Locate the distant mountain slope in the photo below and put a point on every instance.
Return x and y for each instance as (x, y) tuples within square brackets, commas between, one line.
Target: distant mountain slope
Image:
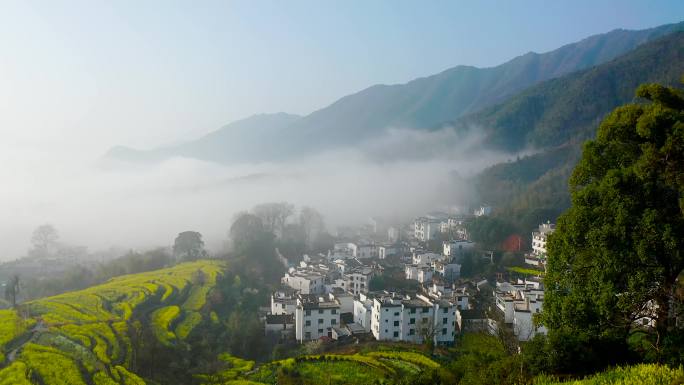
[(242, 140), (422, 104), (428, 101), (557, 116), (570, 107)]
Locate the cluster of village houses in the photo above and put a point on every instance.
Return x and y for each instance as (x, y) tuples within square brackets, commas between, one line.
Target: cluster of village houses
[(328, 296)]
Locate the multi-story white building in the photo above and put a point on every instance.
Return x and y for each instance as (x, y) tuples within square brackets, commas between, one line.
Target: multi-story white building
[(456, 248), (344, 298), (540, 237), (420, 273), (283, 302), (483, 211), (344, 250), (304, 282), (357, 280), (385, 251), (367, 250), (519, 302), (314, 316), (449, 270), (362, 311), (386, 319), (281, 325), (425, 228), (425, 259), (411, 319)]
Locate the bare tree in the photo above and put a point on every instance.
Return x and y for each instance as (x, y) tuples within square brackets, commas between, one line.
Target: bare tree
[(245, 229), (427, 331), (12, 290), (312, 224), (274, 215), (44, 240)]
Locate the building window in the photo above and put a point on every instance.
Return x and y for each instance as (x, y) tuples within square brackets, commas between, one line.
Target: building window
[(320, 331), (445, 311), (444, 321), (412, 321), (425, 310), (444, 331), (308, 312), (307, 335), (333, 311), (396, 323), (396, 314), (308, 323), (412, 332), (320, 311), (320, 321), (396, 334), (413, 310), (333, 322)]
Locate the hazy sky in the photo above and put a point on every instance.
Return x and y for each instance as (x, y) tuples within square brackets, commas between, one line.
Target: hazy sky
[(77, 77), (143, 73)]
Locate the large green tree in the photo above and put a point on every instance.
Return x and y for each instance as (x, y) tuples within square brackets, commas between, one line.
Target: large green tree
[(189, 246), (617, 252)]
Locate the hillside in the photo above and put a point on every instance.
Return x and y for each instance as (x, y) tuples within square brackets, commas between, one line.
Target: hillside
[(94, 336), (558, 115), (419, 104), (237, 141)]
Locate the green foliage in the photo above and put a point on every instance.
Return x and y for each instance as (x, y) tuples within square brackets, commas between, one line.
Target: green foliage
[(14, 374), (12, 326), (386, 366), (557, 116), (189, 246), (51, 365), (617, 252), (490, 231), (86, 336), (643, 374), (482, 359), (185, 326), (525, 271), (161, 323)]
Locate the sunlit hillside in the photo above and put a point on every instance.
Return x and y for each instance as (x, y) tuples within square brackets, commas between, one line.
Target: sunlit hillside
[(85, 337)]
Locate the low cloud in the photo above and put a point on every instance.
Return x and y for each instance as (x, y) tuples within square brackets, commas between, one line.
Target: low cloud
[(402, 174)]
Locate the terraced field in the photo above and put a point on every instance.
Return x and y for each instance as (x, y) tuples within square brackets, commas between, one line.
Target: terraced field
[(82, 337), (361, 368)]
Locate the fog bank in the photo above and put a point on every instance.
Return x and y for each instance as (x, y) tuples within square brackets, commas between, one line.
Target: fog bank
[(103, 204)]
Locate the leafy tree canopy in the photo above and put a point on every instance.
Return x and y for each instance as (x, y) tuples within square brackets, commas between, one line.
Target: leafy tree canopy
[(617, 252)]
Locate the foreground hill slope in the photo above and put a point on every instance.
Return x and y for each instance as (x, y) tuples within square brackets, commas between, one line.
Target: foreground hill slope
[(89, 336)]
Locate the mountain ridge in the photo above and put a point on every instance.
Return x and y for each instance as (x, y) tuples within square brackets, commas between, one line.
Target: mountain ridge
[(423, 103)]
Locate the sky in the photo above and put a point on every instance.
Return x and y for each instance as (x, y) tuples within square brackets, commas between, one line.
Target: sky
[(80, 76)]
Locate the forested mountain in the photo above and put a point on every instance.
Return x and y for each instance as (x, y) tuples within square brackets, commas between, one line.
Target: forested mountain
[(557, 116), (420, 104)]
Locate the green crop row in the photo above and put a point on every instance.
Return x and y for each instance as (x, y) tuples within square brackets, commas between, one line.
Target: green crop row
[(161, 323)]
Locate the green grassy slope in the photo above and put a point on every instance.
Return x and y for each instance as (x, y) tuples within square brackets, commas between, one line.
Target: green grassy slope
[(84, 337)]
